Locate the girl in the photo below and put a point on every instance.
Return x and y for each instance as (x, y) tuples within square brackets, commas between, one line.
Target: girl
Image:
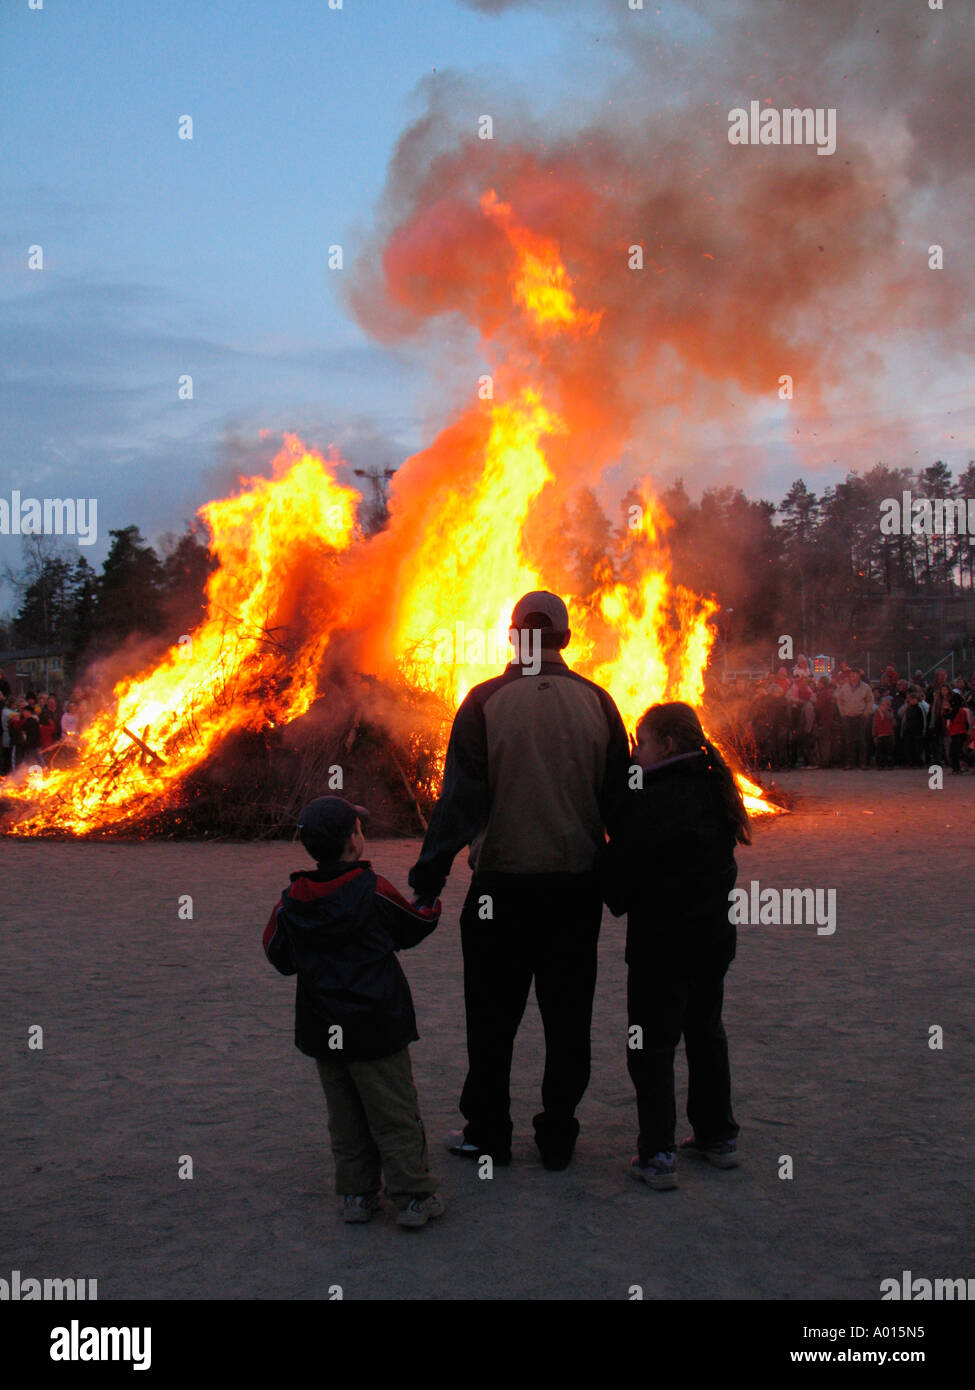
[(678, 867), (957, 728)]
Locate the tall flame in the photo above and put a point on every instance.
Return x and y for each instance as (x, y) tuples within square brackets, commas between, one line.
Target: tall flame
[(434, 591)]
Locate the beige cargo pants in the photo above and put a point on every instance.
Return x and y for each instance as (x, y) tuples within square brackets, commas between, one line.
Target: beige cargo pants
[(375, 1127)]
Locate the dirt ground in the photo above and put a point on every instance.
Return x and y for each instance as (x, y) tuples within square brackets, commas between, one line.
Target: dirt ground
[(165, 1037)]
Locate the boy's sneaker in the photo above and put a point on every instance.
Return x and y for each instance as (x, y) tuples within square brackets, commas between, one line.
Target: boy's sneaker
[(359, 1208), (456, 1143), (420, 1210), (659, 1172), (723, 1155)]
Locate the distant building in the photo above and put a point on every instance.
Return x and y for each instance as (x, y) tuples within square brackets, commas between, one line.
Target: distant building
[(34, 668)]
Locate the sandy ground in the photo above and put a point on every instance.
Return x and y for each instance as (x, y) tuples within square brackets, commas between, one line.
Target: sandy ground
[(165, 1037)]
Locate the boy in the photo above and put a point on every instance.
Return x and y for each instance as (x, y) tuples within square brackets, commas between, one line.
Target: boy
[(338, 927)]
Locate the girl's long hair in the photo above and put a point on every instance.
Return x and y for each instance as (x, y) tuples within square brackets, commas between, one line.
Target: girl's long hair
[(680, 722)]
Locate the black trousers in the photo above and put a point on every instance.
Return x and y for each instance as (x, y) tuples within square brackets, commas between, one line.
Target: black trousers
[(543, 927), (666, 1000), (854, 740)]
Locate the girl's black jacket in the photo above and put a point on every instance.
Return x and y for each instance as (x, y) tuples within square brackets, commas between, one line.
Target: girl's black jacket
[(338, 928), (673, 865)]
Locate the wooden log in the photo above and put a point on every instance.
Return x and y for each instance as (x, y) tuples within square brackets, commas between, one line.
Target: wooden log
[(143, 745), (409, 790)]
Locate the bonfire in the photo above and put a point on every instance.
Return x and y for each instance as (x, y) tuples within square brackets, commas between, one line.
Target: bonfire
[(299, 593)]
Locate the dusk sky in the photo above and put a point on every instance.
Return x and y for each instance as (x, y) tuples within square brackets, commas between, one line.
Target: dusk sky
[(164, 256)]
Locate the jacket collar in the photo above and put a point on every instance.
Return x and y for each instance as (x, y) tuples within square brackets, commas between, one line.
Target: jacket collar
[(307, 884), (678, 762)]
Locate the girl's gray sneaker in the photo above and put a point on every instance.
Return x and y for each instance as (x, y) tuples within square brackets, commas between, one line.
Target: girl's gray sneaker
[(420, 1210)]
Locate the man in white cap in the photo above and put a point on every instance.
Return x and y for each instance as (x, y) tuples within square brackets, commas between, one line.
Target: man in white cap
[(535, 774)]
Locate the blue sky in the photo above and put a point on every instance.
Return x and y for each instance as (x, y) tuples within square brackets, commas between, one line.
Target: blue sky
[(165, 256)]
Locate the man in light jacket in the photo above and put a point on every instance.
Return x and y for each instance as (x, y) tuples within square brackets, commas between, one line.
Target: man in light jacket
[(854, 699), (535, 775)]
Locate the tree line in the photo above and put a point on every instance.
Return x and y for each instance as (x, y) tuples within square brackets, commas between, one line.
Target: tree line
[(66, 606), (811, 564)]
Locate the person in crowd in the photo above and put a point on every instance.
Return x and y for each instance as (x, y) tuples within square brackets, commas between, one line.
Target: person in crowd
[(898, 700), (781, 721), (760, 719), (50, 725), (69, 724), (739, 721), (803, 719), (883, 733), (888, 681), (26, 730), (771, 721), (676, 859), (535, 777), (938, 700), (338, 928), (854, 701), (913, 721), (958, 729), (825, 718), (7, 713)]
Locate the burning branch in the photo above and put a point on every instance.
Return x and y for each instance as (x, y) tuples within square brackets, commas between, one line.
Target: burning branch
[(143, 745)]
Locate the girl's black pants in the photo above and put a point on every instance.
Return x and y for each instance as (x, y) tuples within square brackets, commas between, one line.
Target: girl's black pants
[(667, 1000)]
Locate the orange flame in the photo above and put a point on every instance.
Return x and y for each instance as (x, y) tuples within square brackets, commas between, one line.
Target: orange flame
[(232, 672), (540, 284), (285, 546)]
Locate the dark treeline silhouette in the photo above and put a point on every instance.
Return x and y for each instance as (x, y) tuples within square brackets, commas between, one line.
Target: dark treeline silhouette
[(66, 606), (818, 566)]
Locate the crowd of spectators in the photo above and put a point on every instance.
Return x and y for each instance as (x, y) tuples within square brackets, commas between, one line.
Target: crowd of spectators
[(793, 718), (38, 729)]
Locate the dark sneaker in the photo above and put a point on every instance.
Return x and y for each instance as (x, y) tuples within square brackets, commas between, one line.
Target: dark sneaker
[(723, 1155), (360, 1207), (456, 1143), (556, 1145), (659, 1172), (420, 1210)]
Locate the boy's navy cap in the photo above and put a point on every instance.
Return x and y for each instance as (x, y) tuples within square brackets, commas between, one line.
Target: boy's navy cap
[(541, 601), (329, 818)]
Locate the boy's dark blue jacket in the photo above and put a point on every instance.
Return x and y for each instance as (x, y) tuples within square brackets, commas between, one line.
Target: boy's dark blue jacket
[(338, 927), (673, 867)]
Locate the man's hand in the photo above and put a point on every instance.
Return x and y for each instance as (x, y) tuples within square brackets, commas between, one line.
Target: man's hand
[(424, 902)]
